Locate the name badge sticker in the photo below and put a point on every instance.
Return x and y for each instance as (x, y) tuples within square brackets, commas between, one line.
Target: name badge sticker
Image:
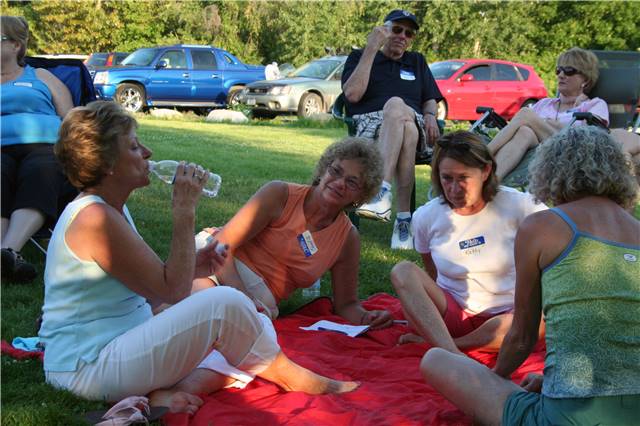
[(307, 244), (407, 75), (23, 83), (471, 242)]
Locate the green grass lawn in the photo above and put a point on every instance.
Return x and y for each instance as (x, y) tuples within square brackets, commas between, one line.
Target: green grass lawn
[(246, 156)]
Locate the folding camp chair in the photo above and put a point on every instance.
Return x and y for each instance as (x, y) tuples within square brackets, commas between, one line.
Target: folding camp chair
[(618, 85), (422, 157), (76, 77)]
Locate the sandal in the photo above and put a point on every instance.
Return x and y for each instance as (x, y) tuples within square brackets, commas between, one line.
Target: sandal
[(16, 268), (131, 410)]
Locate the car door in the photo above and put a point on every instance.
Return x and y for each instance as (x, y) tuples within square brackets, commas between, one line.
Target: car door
[(206, 78), (473, 89), (171, 82), (333, 87), (508, 89)]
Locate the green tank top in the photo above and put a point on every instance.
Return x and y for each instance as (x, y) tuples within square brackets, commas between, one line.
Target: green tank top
[(591, 305)]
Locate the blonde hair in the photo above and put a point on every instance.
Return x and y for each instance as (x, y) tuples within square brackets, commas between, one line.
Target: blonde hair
[(17, 29), (584, 61), (88, 143), (582, 161)]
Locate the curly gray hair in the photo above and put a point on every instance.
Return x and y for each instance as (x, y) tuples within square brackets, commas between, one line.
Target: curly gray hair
[(582, 161), (362, 150)]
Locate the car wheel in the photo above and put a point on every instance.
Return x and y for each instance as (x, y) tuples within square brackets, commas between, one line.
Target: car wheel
[(528, 103), (233, 98), (442, 110), (310, 104), (130, 96)]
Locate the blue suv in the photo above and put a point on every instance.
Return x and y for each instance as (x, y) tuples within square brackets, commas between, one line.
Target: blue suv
[(181, 75)]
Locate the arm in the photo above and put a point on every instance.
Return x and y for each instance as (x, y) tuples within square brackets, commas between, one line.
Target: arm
[(59, 92), (429, 266), (100, 233), (523, 335), (356, 85), (344, 280), (429, 110)]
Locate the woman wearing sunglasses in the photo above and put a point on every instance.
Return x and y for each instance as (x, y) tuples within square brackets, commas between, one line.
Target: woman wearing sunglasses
[(463, 298), (577, 73), (288, 235)]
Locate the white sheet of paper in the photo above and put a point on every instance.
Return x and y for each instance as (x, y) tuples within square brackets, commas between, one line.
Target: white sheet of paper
[(349, 330)]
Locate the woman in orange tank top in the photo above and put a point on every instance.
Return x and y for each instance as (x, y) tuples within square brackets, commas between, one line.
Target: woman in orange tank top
[(288, 235)]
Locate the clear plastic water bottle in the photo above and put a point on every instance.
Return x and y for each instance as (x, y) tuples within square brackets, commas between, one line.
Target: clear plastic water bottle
[(313, 291), (166, 170)]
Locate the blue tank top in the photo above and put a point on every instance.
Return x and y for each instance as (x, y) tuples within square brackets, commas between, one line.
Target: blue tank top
[(28, 113), (84, 307)]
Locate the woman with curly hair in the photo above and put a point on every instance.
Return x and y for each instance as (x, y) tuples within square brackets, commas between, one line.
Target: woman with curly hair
[(288, 235), (578, 264)]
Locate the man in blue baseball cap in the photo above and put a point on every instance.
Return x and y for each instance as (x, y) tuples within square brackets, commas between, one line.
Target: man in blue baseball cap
[(393, 98)]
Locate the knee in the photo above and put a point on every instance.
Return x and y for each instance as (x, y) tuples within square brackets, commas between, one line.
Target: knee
[(432, 362), (524, 115), (395, 109), (400, 275)]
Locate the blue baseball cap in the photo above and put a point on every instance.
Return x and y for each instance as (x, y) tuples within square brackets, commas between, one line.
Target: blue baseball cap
[(399, 15)]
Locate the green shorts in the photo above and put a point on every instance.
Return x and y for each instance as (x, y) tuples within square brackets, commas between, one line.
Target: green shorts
[(528, 408)]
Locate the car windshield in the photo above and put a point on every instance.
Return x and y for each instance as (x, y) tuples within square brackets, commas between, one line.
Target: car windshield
[(97, 59), (444, 70), (141, 57), (316, 69)]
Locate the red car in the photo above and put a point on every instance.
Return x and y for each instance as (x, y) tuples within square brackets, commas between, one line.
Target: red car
[(469, 83)]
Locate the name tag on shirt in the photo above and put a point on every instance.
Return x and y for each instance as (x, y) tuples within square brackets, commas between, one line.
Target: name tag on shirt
[(472, 242), (407, 75), (23, 83), (307, 244)]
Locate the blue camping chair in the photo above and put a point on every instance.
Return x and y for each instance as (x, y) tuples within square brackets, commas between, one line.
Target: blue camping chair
[(76, 77)]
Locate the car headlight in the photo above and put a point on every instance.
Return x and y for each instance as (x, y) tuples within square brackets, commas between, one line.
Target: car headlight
[(280, 90), (101, 77)]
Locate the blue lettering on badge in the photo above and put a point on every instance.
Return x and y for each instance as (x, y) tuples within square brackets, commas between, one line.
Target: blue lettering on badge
[(407, 75), (307, 244), (472, 242)]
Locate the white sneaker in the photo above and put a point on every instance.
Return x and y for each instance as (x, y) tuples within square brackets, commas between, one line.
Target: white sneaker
[(379, 208), (402, 238)]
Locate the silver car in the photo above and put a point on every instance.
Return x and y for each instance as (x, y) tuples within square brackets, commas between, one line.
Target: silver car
[(310, 89)]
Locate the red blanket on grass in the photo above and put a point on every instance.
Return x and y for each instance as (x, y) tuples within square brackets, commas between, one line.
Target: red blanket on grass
[(392, 392)]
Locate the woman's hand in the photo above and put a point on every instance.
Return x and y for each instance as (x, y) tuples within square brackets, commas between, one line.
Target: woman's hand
[(187, 186), (209, 259), (532, 383), (377, 319), (580, 99)]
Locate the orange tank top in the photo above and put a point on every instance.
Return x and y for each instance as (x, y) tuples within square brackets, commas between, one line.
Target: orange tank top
[(281, 255)]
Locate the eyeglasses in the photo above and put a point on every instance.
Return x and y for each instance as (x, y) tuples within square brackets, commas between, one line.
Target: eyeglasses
[(568, 71), (350, 182), (407, 33)]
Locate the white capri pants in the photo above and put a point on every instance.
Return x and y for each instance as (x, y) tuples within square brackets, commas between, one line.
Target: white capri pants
[(162, 351)]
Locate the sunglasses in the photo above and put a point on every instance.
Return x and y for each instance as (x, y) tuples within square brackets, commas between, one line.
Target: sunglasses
[(5, 38), (461, 146), (407, 33), (568, 71), (349, 181)]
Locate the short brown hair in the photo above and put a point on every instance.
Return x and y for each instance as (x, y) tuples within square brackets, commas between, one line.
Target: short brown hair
[(361, 150), (88, 143), (468, 149), (17, 29), (584, 61)]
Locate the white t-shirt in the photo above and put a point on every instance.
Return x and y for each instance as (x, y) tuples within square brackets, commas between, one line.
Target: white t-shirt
[(474, 254)]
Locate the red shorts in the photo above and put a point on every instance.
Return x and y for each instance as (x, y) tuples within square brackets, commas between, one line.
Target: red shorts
[(458, 321)]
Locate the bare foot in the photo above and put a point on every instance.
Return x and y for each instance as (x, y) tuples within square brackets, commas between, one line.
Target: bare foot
[(293, 377), (410, 338), (177, 401)]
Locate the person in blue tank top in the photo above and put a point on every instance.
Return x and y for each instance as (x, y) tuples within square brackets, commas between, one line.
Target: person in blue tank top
[(102, 340), (577, 264), (33, 103)]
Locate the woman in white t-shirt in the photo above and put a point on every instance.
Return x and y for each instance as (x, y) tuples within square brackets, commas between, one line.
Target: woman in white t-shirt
[(463, 298)]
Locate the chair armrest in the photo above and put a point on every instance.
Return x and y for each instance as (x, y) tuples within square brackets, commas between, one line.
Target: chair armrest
[(590, 119)]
